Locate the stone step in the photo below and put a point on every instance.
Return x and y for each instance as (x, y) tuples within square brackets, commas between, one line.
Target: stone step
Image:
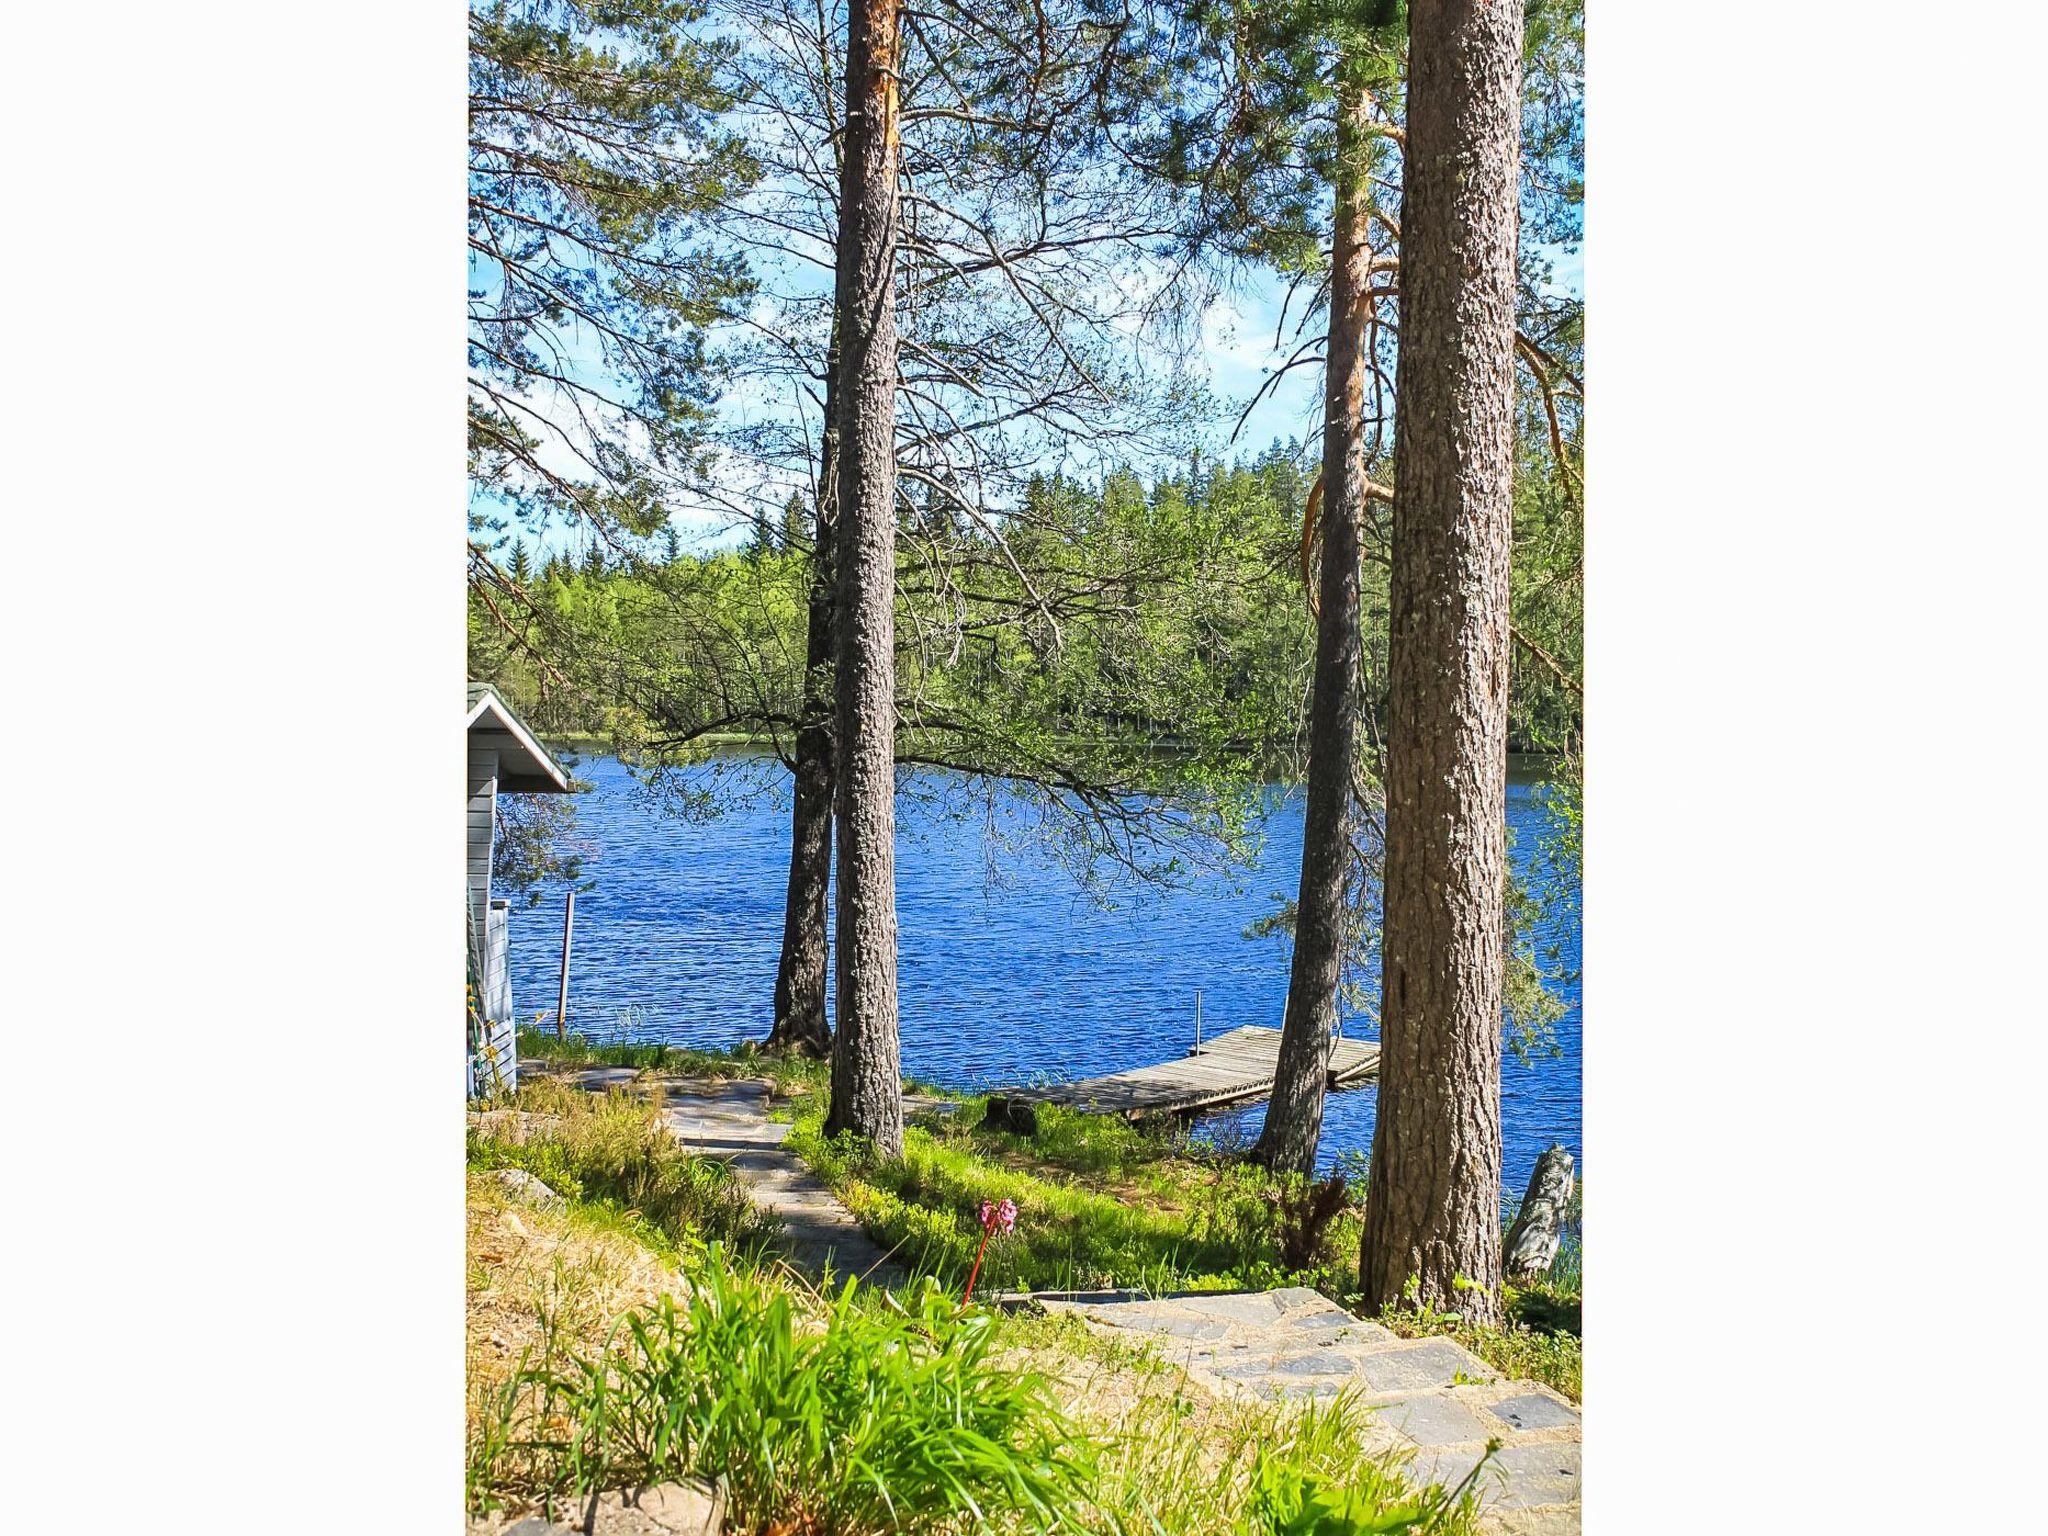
[(1431, 1400)]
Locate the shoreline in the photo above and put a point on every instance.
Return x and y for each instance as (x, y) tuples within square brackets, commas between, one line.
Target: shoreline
[(590, 744)]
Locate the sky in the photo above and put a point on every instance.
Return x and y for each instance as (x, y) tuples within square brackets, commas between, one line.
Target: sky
[(1237, 353), (1237, 337)]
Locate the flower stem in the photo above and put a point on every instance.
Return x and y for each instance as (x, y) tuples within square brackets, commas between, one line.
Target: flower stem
[(977, 1267)]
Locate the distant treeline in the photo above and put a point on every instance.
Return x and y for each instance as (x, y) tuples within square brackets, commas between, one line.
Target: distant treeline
[(1171, 615)]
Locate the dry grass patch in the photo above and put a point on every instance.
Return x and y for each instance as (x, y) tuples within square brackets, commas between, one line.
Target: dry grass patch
[(526, 1263)]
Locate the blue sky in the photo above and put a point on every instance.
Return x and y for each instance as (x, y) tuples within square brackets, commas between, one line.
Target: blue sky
[(1236, 350)]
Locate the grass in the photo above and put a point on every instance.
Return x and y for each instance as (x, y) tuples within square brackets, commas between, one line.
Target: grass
[(790, 1074), (1521, 1347), (616, 1338), (611, 1153), (1099, 1202), (1178, 1461), (1102, 1203), (859, 1420)]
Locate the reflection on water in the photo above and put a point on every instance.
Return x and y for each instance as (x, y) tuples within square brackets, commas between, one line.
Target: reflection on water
[(1007, 971)]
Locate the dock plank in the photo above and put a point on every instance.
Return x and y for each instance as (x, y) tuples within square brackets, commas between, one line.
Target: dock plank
[(1234, 1067)]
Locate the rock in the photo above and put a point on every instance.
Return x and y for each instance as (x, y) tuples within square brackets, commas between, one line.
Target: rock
[(521, 1185), (687, 1508), (1007, 1114), (669, 1509), (1535, 1410)]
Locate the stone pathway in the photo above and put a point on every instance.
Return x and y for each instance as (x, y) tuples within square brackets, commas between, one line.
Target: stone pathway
[(728, 1119), (1431, 1397)]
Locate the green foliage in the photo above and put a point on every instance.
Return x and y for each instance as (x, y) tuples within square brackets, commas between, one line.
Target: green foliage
[(595, 156), (1126, 664), (868, 1412), (534, 842), (613, 1150), (789, 1074), (1104, 1204), (1290, 1500), (1099, 1204), (877, 1420), (1132, 684), (1539, 1340), (1182, 1463)]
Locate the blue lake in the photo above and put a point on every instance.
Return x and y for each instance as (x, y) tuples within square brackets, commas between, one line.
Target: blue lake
[(1009, 971)]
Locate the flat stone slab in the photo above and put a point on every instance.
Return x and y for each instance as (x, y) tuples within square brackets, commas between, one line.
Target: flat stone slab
[(1430, 1363), (1432, 1399), (1237, 1306), (729, 1121), (1431, 1419), (1316, 1362), (1535, 1410), (1517, 1476)]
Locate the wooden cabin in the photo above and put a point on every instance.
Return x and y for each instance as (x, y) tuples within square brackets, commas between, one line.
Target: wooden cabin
[(504, 757)]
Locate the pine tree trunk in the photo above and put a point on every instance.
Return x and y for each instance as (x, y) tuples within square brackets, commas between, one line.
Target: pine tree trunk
[(1433, 1200), (800, 1022), (1294, 1118), (867, 1098)]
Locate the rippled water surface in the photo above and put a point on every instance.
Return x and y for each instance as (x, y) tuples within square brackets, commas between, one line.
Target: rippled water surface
[(1008, 969)]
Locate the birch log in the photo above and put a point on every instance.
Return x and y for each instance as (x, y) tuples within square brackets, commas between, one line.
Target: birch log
[(1533, 1239)]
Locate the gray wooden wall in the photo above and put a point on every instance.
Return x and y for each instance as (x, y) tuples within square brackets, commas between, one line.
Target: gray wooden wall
[(483, 799), (487, 920)]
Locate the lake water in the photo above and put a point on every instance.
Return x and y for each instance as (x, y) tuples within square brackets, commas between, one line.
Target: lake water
[(1009, 971)]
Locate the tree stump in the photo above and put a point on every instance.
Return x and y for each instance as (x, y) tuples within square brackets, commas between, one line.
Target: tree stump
[(1018, 1116), (1532, 1241)]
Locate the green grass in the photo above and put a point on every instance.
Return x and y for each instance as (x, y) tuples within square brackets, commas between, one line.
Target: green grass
[(790, 1074), (1525, 1346), (610, 1151), (860, 1421), (1178, 1461), (1100, 1203), (867, 1412), (919, 1416)]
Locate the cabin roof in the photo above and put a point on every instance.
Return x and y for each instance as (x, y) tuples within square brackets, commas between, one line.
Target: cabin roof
[(525, 767)]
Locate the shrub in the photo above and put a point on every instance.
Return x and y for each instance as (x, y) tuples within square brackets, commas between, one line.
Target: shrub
[(612, 1148), (878, 1420), (1307, 1209)]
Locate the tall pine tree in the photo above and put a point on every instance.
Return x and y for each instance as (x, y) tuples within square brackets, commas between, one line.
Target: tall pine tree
[(1432, 1224)]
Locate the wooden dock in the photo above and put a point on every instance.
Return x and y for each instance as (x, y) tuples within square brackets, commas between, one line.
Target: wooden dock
[(1233, 1068)]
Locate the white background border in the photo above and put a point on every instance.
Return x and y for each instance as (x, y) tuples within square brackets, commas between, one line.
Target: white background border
[(1813, 917)]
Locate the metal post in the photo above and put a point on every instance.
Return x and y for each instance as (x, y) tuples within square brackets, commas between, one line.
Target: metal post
[(1198, 1018), (562, 997)]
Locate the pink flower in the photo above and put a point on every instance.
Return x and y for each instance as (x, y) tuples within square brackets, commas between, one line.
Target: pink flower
[(994, 1218)]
